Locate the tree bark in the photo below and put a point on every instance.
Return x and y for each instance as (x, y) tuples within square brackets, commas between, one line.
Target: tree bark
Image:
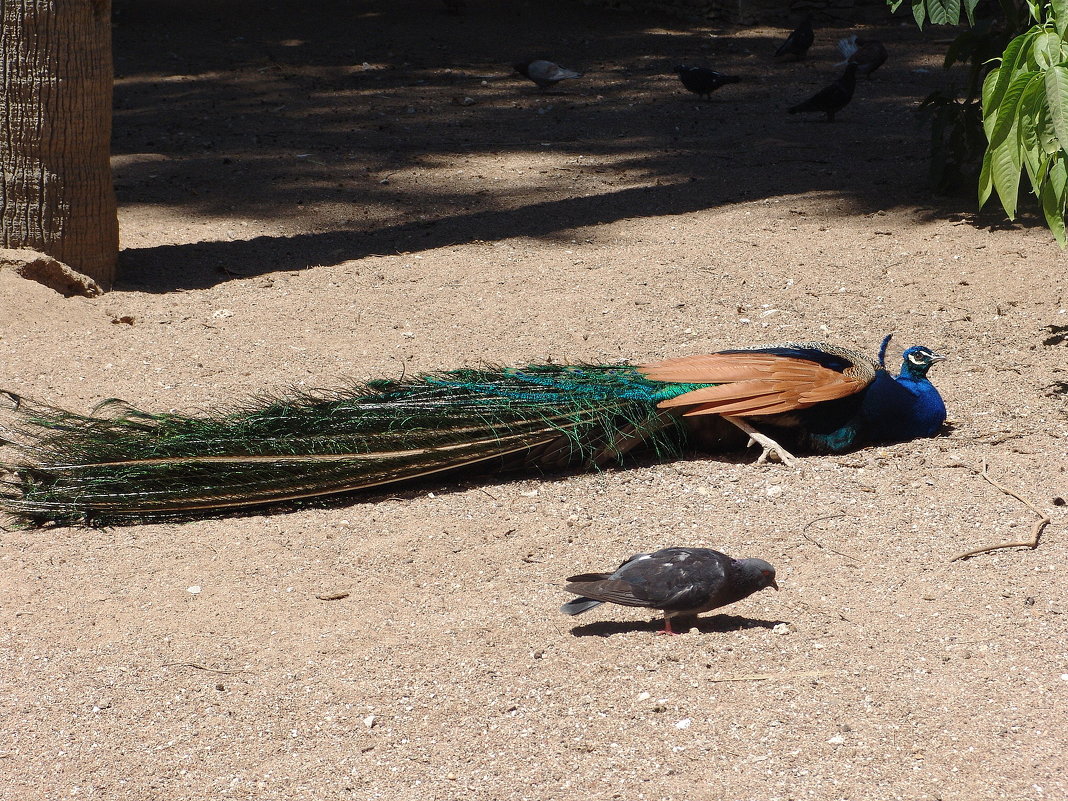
[(56, 78)]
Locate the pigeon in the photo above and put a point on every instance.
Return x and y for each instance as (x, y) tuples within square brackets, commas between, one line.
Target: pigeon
[(831, 99), (797, 43), (703, 81), (545, 74), (867, 54), (680, 581)]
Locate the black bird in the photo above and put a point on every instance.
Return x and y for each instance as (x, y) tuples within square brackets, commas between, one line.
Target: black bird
[(831, 99), (545, 74), (867, 54), (680, 581), (797, 43), (703, 81)]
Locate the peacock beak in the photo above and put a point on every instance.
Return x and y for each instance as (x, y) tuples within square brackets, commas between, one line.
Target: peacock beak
[(936, 357)]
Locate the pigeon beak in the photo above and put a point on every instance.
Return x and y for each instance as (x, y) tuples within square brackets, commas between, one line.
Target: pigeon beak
[(773, 585)]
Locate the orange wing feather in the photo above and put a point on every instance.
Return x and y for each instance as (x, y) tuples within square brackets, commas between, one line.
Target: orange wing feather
[(750, 384)]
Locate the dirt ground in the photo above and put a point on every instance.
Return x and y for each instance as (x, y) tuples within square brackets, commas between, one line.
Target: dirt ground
[(315, 192)]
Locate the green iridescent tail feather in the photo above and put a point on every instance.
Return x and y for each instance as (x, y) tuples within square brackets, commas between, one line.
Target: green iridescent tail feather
[(120, 464)]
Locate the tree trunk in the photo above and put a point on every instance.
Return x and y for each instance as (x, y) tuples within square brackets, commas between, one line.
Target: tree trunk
[(56, 80)]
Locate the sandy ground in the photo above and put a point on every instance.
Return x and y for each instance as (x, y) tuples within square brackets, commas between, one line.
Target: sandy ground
[(356, 189)]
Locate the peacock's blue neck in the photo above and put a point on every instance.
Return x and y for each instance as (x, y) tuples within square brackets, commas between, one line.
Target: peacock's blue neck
[(927, 412)]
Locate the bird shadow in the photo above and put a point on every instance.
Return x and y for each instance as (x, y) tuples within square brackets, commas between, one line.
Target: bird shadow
[(717, 624)]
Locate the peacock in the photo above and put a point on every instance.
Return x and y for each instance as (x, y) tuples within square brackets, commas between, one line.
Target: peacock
[(122, 465)]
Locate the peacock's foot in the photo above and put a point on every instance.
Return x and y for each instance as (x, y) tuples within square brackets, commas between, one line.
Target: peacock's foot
[(770, 449)]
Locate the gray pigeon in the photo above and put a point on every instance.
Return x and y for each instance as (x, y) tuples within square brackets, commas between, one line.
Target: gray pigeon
[(867, 54), (545, 74), (831, 99), (798, 42), (680, 581)]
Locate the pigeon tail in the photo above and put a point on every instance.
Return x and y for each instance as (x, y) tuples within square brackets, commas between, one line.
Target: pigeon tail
[(847, 47), (576, 606)]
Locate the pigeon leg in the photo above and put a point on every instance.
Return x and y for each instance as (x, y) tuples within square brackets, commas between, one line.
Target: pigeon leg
[(767, 444), (667, 628)]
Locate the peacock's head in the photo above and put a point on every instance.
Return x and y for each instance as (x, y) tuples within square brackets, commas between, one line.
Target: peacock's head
[(917, 360)]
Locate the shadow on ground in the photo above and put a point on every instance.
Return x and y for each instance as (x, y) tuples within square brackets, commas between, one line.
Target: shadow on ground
[(357, 129), (718, 624)]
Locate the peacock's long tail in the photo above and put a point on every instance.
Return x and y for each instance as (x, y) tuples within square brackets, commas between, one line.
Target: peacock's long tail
[(120, 464)]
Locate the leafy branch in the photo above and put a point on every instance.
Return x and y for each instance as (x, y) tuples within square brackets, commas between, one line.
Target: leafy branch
[(1023, 100)]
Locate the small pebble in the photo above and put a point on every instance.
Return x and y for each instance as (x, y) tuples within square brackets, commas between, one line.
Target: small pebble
[(781, 628), (838, 739), (194, 590), (369, 721), (683, 724)]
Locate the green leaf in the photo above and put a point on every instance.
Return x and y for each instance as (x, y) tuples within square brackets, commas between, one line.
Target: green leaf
[(1059, 10), (969, 9), (943, 12), (1005, 172), (1057, 102), (986, 183), (1058, 177), (1031, 111), (919, 12), (894, 5), (1047, 50), (1014, 52), (1008, 110), (1053, 206), (989, 117)]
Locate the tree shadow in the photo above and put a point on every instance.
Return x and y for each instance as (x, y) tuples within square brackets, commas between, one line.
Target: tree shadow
[(717, 624), (342, 130)]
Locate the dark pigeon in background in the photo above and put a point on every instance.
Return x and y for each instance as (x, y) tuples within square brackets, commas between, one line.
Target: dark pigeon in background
[(680, 581), (867, 54), (545, 74), (703, 81), (797, 43), (831, 99)]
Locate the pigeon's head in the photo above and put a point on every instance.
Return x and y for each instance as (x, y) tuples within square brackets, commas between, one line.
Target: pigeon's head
[(917, 360), (758, 574), (521, 67)]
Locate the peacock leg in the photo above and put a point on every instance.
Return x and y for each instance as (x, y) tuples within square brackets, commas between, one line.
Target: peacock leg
[(767, 444)]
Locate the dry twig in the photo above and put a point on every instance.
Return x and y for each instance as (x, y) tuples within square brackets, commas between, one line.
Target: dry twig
[(766, 676), (819, 544), (198, 666), (1036, 531)]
